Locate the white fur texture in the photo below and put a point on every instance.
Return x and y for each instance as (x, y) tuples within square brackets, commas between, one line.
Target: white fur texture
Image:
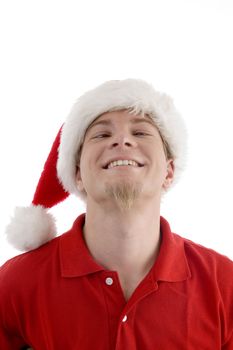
[(30, 228), (135, 95)]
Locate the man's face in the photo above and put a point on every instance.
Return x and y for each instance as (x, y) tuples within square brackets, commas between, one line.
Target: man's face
[(121, 136)]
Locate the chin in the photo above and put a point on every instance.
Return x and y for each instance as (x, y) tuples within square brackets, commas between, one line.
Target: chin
[(124, 189)]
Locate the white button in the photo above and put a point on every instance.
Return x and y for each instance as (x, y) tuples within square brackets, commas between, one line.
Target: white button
[(109, 281), (124, 318)]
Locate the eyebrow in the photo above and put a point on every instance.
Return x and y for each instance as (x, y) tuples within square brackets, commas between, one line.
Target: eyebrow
[(136, 120)]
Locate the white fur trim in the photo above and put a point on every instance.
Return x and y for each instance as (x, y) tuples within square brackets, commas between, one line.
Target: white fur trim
[(30, 228), (135, 95)]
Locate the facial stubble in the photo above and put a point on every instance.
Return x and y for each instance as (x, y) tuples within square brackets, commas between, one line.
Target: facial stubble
[(124, 193)]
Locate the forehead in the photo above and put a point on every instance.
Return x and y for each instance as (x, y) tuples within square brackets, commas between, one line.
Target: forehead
[(115, 117)]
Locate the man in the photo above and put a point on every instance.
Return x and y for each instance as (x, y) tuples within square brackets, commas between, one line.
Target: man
[(119, 279)]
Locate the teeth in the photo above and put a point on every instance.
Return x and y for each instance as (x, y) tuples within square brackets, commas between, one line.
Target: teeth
[(122, 162)]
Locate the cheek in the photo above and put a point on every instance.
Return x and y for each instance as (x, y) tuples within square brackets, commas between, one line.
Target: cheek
[(160, 165), (86, 164)]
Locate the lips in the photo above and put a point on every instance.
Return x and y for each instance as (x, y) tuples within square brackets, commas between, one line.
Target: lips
[(122, 162)]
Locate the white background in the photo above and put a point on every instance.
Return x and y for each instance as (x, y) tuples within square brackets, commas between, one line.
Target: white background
[(53, 51)]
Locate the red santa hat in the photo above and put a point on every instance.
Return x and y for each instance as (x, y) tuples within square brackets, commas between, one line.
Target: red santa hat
[(33, 226)]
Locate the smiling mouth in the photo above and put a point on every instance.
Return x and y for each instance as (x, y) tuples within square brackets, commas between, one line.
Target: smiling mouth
[(116, 163)]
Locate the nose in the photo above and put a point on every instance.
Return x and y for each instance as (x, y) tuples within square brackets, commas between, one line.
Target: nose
[(123, 140)]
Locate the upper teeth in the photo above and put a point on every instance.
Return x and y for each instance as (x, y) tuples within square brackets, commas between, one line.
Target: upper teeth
[(122, 162)]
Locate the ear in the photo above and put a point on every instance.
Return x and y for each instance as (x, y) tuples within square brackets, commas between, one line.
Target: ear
[(170, 174), (79, 180)]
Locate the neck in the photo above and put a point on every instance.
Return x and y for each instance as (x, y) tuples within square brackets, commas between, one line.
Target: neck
[(126, 242)]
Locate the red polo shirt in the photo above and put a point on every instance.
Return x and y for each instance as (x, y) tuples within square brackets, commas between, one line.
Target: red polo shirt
[(57, 297)]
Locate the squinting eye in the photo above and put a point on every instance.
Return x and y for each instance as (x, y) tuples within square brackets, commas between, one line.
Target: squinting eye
[(100, 136), (140, 133)]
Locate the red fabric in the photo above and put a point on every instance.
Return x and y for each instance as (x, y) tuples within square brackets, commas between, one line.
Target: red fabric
[(56, 298), (49, 190)]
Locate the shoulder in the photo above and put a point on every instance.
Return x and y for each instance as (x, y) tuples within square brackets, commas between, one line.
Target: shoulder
[(209, 266), (211, 278), (204, 255), (28, 266), (24, 277)]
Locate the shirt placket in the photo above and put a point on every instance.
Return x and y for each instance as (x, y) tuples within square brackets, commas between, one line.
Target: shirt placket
[(115, 303), (125, 332), (121, 314)]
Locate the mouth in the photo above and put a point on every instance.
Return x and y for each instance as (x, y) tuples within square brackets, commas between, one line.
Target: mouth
[(123, 162)]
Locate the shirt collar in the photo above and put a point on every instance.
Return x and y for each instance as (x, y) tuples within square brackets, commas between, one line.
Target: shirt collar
[(75, 259), (171, 264)]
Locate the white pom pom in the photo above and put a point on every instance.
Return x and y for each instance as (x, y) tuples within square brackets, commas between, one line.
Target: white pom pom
[(30, 227)]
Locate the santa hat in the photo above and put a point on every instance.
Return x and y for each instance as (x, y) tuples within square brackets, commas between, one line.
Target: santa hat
[(33, 226)]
